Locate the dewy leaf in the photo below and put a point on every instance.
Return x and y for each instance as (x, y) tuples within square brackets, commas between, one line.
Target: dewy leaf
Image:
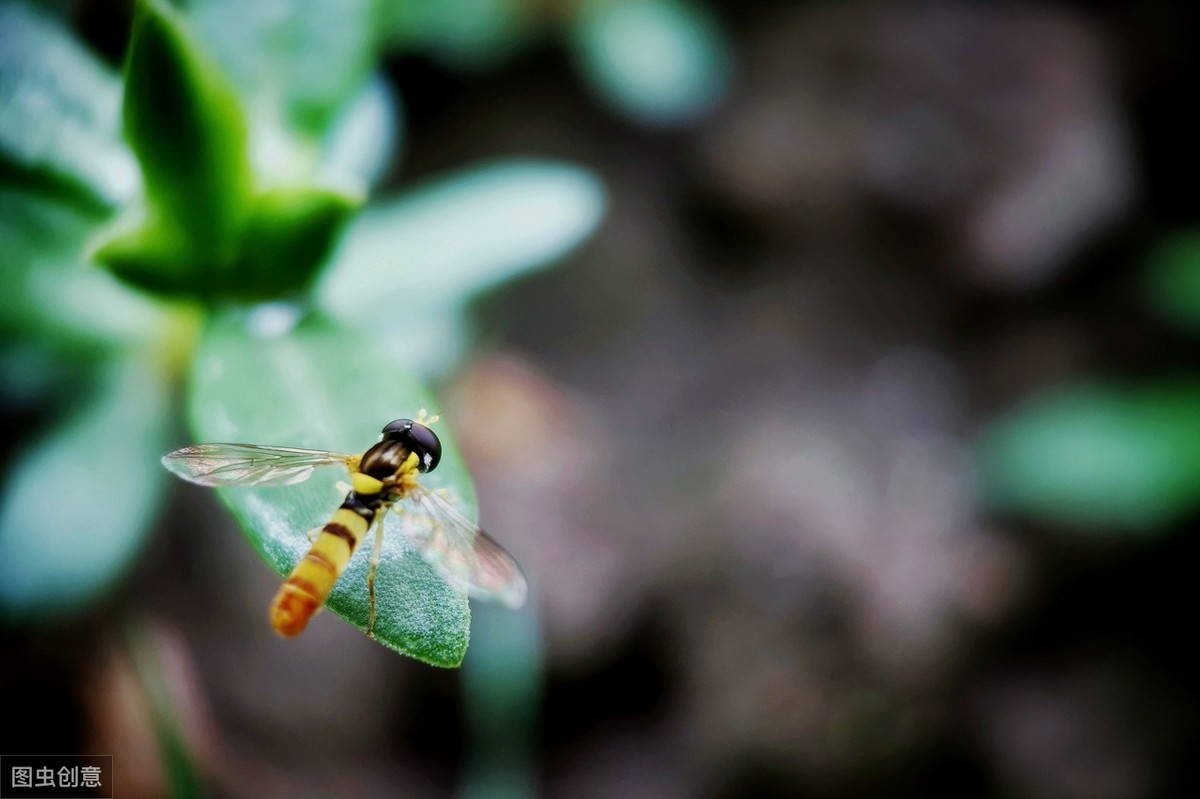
[(323, 387), (436, 247), (186, 128), (301, 60), (1098, 454), (60, 110), (659, 61), (79, 502)]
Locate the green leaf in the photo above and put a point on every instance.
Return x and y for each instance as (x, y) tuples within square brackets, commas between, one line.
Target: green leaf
[(467, 34), (31, 373), (296, 61), (323, 387), (186, 128), (429, 251), (145, 652), (364, 137), (1098, 454), (79, 502), (502, 693), (59, 112), (659, 61), (289, 235), (49, 293), (1172, 279), (154, 257)]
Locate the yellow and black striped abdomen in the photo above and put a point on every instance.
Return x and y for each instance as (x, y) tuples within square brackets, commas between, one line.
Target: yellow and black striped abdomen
[(314, 576)]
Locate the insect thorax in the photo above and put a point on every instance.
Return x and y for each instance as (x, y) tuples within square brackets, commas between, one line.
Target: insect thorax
[(383, 460)]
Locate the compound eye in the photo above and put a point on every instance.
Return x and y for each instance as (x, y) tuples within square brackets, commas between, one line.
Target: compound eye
[(398, 429), (426, 444)]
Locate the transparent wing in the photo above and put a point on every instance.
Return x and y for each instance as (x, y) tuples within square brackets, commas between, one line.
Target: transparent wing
[(249, 464), (466, 556)]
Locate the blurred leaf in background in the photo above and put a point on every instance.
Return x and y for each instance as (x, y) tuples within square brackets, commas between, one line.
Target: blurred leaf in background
[(1172, 279), (660, 62), (467, 34), (1104, 454), (61, 113), (295, 63), (50, 293), (462, 235), (81, 499), (76, 334), (1098, 455), (656, 62)]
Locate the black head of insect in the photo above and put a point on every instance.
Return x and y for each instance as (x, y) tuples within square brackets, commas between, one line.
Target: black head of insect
[(417, 438)]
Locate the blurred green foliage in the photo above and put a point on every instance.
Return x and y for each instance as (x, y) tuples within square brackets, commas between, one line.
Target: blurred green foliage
[(1173, 279), (179, 766), (657, 62), (1099, 454), (77, 504), (1109, 455), (230, 266), (62, 113)]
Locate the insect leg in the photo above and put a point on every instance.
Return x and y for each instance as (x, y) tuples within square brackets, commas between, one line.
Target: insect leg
[(375, 552)]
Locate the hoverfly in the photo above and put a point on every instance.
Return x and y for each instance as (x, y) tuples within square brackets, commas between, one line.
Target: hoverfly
[(380, 478)]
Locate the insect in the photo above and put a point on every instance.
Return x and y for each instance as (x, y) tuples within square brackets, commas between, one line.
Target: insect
[(384, 478)]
